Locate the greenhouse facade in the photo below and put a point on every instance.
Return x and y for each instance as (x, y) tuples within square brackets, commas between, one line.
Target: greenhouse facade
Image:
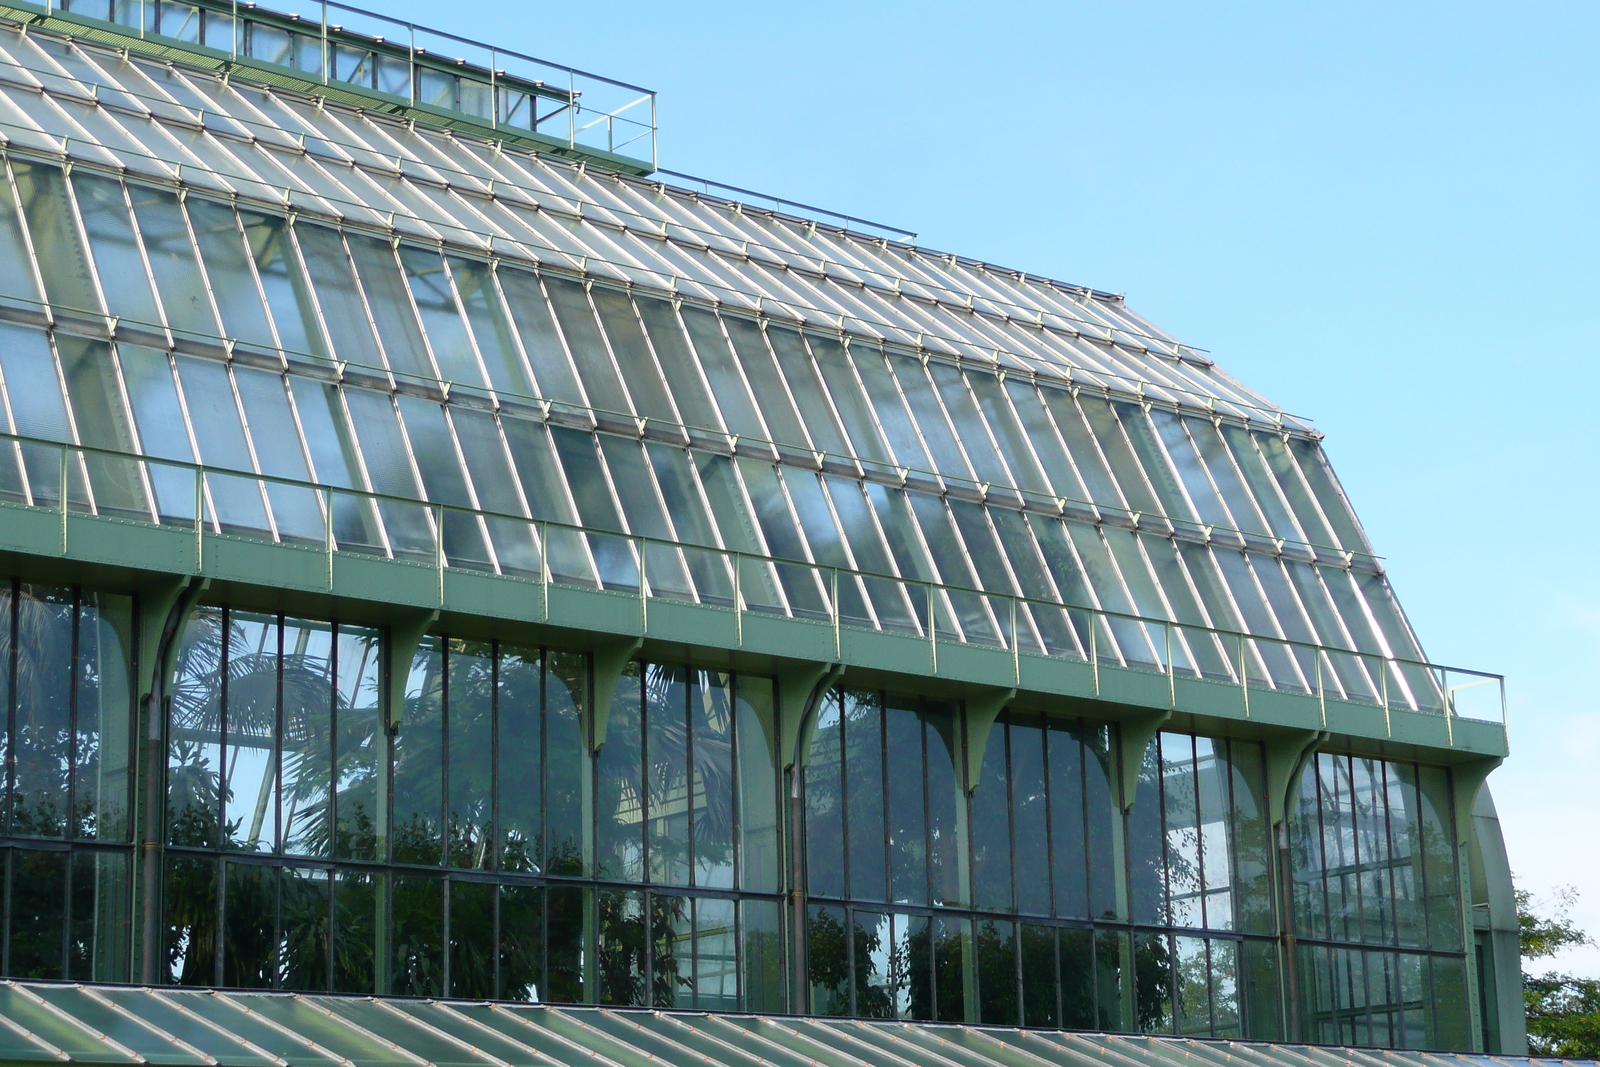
[(448, 558)]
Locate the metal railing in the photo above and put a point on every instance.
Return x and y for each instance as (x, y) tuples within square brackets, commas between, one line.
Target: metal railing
[(217, 503), (347, 47)]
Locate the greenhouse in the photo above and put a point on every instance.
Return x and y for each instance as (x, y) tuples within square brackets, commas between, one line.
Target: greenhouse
[(474, 597)]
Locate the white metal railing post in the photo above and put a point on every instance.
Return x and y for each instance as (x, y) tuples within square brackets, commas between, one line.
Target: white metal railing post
[(62, 490), (837, 613), (738, 598), (1388, 728), (933, 633), (1094, 650), (1172, 674), (544, 565), (439, 559), (327, 47), (1322, 690), (644, 596), (327, 532), (572, 110), (199, 520), (1244, 676)]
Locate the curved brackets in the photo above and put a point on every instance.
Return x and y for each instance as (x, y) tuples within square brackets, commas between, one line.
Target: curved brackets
[(610, 660), (1134, 734), (1286, 759), (406, 632), (982, 710), (800, 689)]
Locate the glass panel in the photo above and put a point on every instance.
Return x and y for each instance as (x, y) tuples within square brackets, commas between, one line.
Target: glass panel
[(249, 932), (683, 373), (103, 421), (997, 972), (519, 752), (570, 949), (208, 392), (441, 318), (227, 262), (172, 259), (357, 918), (418, 931), (389, 465), (596, 509), (297, 512), (283, 280), (566, 553), (491, 330), (472, 944), (552, 370), (908, 827), (672, 973), (621, 958), (864, 782), (305, 944), (828, 961), (639, 370), (619, 846), (335, 461), (587, 345), (521, 945), (358, 747), (418, 754), (1029, 815), (712, 788), (119, 262), (250, 793), (98, 947), (444, 481), (825, 800), (194, 756), (16, 262), (569, 847), (63, 260), (765, 955), (190, 933), (391, 305), (667, 786), (307, 747), (723, 374), (30, 371), (343, 309)]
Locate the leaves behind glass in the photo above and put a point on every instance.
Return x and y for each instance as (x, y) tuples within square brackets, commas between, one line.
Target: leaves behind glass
[(1563, 1009)]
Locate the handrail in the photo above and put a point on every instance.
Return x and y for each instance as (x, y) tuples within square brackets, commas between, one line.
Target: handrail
[(935, 623)]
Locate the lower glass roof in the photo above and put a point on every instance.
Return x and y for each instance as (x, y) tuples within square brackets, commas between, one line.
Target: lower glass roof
[(60, 1023)]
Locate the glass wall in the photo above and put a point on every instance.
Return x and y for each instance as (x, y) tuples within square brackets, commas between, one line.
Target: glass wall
[(490, 836), (480, 841), (1200, 866), (66, 686), (1377, 905)]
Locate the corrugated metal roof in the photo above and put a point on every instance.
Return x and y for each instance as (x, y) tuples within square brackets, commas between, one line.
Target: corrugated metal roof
[(54, 1022)]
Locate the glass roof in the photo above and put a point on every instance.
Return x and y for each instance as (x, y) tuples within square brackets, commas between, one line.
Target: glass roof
[(261, 282), (47, 1023)]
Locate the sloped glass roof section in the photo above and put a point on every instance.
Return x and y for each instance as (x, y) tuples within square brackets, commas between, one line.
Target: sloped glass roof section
[(44, 1023), (533, 367)]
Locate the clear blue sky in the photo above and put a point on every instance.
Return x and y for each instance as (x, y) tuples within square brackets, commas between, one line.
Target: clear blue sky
[(1384, 217)]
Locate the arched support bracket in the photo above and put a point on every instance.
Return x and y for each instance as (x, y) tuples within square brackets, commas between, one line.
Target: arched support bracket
[(1134, 734), (164, 607), (610, 660), (1286, 760), (983, 708), (800, 689), (1468, 779), (406, 631)]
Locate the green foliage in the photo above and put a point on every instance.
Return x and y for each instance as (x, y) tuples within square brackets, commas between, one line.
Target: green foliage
[(1563, 1009)]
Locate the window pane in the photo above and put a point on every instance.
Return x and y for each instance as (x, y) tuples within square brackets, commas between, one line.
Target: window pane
[(249, 932), (63, 261), (863, 762), (307, 747), (359, 743), (227, 263), (472, 945), (418, 747), (118, 261), (294, 310), (712, 789), (568, 763), (172, 259), (668, 788), (441, 318), (908, 830), (519, 753), (619, 802), (825, 811), (104, 718), (521, 943), (337, 292), (250, 794)]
